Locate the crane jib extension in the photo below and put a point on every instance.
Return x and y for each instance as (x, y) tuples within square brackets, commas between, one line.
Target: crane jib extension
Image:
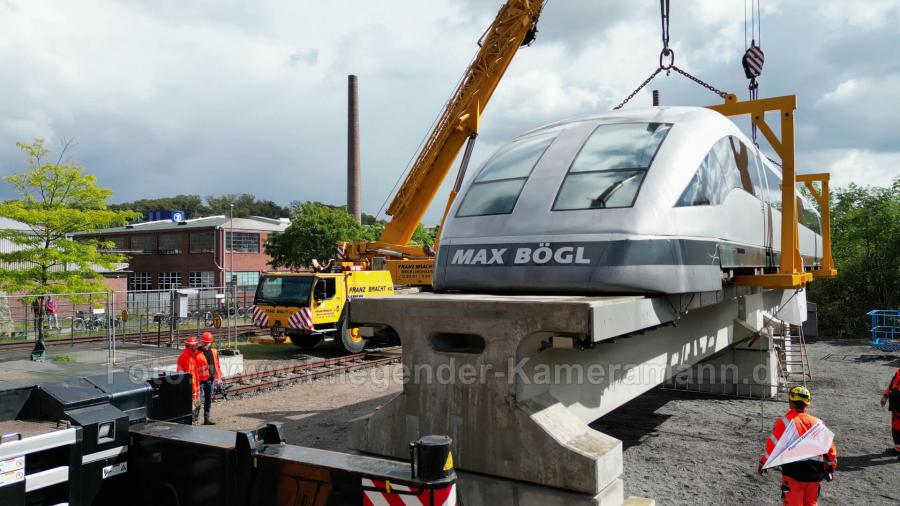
[(513, 27)]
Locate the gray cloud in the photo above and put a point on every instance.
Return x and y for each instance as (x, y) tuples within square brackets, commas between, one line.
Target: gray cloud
[(198, 97), (309, 57)]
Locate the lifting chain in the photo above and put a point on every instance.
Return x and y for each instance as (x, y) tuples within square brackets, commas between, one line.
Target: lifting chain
[(701, 82), (638, 89), (669, 68), (669, 53)]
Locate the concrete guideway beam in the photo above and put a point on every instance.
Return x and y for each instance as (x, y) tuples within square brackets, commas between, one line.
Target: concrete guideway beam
[(476, 373)]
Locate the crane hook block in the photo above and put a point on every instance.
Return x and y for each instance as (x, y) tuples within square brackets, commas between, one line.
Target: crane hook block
[(753, 61)]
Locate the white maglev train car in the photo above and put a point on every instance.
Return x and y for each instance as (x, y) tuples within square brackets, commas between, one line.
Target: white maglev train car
[(655, 200)]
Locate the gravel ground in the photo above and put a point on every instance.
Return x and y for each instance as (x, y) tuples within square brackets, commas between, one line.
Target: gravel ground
[(679, 448), (691, 449), (315, 413)]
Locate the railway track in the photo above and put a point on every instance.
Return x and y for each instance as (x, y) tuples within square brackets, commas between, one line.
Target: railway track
[(134, 337), (280, 376)]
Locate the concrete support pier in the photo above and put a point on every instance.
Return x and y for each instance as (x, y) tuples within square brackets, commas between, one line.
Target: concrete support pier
[(515, 380)]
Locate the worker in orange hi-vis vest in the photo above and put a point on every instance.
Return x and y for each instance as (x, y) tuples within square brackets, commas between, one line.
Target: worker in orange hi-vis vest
[(208, 358), (892, 396), (800, 479), (187, 362)]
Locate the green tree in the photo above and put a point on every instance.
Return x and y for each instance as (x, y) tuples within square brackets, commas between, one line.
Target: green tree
[(314, 232), (192, 205), (866, 248), (368, 219), (245, 205), (422, 237), (55, 201)]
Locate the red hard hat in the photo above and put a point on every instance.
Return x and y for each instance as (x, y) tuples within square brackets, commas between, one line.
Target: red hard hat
[(207, 338), (191, 341)]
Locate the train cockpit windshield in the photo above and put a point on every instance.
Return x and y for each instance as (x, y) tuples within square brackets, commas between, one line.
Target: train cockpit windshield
[(496, 188), (283, 291), (610, 167), (606, 173)]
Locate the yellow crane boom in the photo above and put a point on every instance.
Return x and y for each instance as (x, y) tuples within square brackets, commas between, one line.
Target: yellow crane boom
[(513, 27)]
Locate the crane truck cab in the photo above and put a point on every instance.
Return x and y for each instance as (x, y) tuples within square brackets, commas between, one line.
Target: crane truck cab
[(311, 307)]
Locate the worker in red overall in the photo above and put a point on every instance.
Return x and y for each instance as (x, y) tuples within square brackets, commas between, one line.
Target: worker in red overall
[(800, 480), (187, 362), (892, 396), (211, 376)]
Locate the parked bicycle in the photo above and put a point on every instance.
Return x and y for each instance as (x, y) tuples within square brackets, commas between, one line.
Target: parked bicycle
[(92, 322)]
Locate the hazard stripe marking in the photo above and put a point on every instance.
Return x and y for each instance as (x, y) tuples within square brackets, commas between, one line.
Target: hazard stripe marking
[(401, 495), (258, 317), (301, 320)]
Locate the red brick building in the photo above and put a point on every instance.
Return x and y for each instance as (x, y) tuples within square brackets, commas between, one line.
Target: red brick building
[(115, 280), (197, 253)]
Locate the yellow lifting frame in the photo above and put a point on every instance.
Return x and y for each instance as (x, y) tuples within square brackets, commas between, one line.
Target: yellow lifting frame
[(791, 274), (827, 269)]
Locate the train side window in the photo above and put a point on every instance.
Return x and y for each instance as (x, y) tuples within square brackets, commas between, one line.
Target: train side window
[(610, 167), (814, 222), (496, 189), (746, 164), (773, 181), (717, 175), (806, 215)]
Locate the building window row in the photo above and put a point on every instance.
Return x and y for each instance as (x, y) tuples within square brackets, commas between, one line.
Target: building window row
[(142, 245), (140, 281), (169, 280), (198, 242), (246, 278), (241, 242), (201, 279), (202, 242), (172, 280), (170, 244)]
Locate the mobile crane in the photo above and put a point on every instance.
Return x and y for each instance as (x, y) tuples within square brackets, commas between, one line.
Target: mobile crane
[(515, 26), (312, 307)]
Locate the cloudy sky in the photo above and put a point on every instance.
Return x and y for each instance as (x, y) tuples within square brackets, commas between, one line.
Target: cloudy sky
[(228, 96)]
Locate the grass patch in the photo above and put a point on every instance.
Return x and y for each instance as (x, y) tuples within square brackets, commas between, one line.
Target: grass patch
[(63, 358)]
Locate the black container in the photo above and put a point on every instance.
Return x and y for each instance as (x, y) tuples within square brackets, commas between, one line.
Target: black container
[(431, 459), (171, 398), (50, 401), (131, 395), (103, 427), (103, 466), (182, 465)]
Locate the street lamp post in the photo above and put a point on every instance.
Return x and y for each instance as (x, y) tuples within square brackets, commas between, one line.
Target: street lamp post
[(233, 310)]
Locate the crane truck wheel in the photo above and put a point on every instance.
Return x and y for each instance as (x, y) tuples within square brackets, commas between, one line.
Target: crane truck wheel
[(305, 342), (348, 338)]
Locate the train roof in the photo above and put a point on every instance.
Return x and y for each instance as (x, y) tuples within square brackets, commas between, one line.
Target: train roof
[(661, 114)]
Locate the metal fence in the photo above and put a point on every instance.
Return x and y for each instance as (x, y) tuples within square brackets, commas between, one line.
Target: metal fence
[(76, 315), (133, 326)]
